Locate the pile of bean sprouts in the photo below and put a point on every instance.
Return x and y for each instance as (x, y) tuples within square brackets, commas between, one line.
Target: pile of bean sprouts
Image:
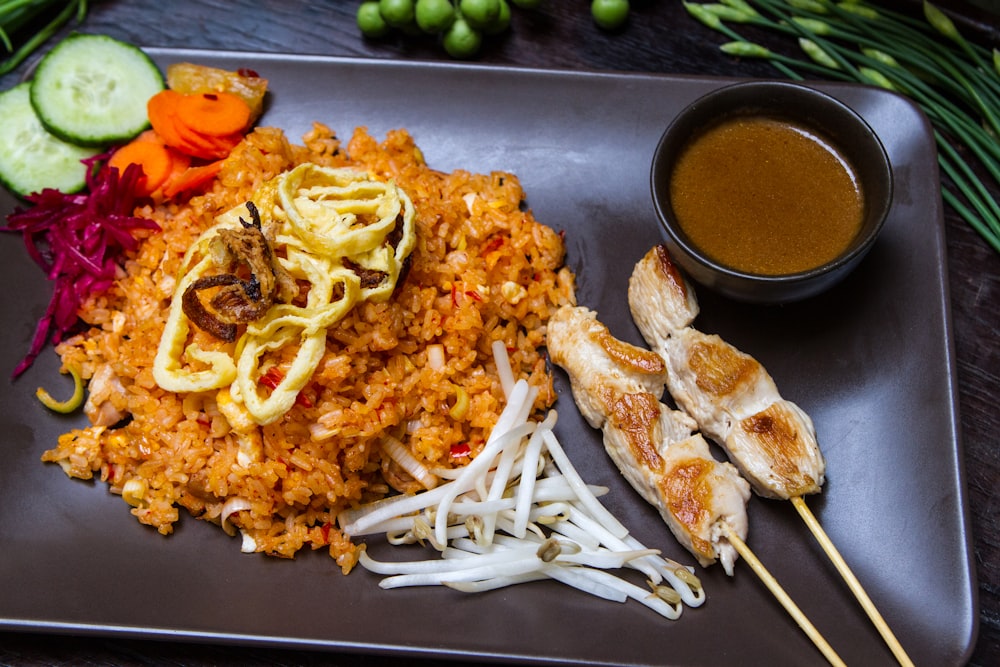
[(520, 512)]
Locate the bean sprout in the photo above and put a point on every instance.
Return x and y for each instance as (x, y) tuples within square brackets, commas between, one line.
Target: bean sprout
[(520, 512)]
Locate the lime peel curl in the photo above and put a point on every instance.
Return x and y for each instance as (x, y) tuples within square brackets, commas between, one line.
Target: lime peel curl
[(70, 404)]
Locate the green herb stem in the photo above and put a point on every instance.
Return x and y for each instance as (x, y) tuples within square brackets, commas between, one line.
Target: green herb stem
[(965, 179), (17, 14), (971, 218)]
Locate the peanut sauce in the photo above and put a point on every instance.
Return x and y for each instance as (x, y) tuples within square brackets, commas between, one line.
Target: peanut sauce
[(765, 196)]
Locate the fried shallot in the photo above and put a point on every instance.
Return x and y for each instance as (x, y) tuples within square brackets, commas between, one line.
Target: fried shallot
[(239, 300)]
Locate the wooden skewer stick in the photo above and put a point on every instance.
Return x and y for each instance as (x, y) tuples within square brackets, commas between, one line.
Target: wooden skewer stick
[(783, 597), (852, 581)]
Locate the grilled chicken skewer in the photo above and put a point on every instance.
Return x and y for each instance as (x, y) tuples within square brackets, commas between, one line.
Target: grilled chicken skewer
[(736, 403), (617, 388), (703, 501), (728, 393)]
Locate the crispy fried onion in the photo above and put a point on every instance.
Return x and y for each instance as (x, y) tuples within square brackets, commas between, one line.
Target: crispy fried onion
[(339, 238), (239, 300)]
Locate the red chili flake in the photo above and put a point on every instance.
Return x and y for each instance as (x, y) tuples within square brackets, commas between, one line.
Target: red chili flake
[(454, 295), (111, 474), (474, 295), (273, 377), (325, 532), (460, 450), (386, 409), (210, 96), (247, 72), (493, 244), (302, 400)]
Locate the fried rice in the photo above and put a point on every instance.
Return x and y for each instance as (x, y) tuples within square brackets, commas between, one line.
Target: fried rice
[(416, 369)]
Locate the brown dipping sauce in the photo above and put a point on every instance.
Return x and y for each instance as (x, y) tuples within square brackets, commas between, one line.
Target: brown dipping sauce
[(765, 196)]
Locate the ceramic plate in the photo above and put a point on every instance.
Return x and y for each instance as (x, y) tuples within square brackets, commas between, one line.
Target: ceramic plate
[(872, 361)]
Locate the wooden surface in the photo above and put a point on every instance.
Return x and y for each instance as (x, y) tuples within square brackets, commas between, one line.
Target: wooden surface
[(660, 37)]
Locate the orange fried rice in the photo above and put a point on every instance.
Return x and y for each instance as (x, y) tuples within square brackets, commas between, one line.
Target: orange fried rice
[(418, 368)]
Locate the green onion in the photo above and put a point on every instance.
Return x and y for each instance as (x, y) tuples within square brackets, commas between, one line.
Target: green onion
[(814, 26), (955, 82), (704, 14), (940, 22), (732, 14), (745, 50), (816, 52), (859, 9), (876, 78), (17, 16)]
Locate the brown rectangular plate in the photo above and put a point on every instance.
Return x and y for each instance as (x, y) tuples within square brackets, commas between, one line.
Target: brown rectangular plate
[(872, 361)]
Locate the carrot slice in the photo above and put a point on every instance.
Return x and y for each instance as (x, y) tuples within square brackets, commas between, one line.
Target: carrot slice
[(149, 135), (215, 113), (191, 78), (160, 109), (181, 163), (192, 178), (152, 156), (195, 145), (185, 132)]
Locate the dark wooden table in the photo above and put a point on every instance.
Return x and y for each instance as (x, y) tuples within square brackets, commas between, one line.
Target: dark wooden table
[(659, 38)]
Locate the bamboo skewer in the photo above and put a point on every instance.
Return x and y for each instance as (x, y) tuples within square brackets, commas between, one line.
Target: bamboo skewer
[(852, 581), (772, 584), (657, 283)]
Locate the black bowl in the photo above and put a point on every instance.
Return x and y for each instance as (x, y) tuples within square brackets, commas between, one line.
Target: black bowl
[(805, 107)]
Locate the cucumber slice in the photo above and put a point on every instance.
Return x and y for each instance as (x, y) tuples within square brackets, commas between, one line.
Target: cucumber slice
[(92, 90), (32, 159)]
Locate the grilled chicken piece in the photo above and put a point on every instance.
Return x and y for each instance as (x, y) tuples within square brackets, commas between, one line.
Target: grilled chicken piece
[(617, 388), (728, 393)]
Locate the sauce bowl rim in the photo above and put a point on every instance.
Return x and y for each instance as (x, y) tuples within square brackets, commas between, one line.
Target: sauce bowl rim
[(661, 171)]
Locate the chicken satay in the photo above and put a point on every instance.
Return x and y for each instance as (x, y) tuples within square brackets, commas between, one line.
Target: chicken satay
[(617, 388), (729, 394)]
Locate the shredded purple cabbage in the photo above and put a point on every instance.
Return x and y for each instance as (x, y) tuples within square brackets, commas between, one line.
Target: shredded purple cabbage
[(77, 240)]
